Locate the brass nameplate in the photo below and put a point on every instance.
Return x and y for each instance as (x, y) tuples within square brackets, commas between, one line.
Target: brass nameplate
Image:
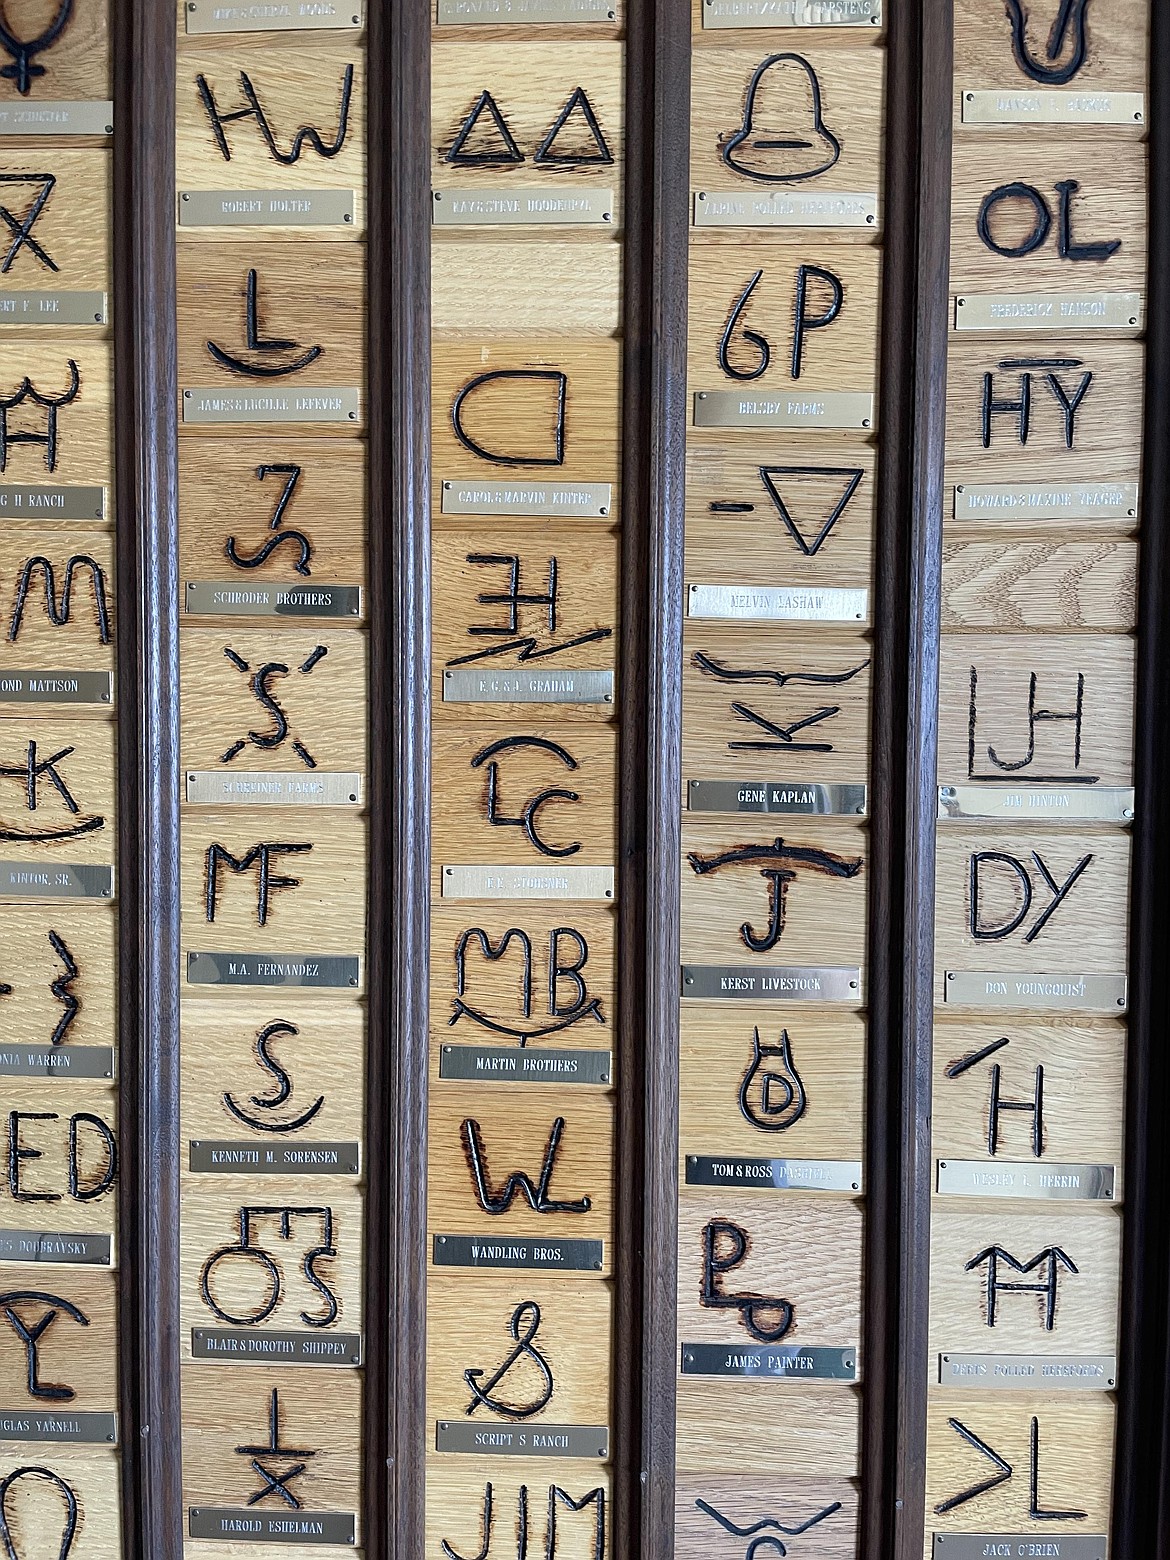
[(49, 1246), (1033, 1372), (776, 1362), (224, 599), (510, 1064), (251, 1346), (584, 500), (332, 971), (1046, 500), (778, 603), (1046, 993), (56, 687), (21, 1425), (1038, 311), (1026, 1178), (772, 208), (817, 409), (799, 799), (805, 1175), (791, 13), (53, 308), (245, 1525), (219, 1158), (1046, 804), (281, 788), (1015, 107), (792, 983), (265, 208), (50, 880), (523, 13), (222, 16), (63, 118), (516, 207), (539, 1440), (56, 1061), (528, 882), (493, 1251), (20, 502), (1054, 1546), (327, 404), (569, 685)]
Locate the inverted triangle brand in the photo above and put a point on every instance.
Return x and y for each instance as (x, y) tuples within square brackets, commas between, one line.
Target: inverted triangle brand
[(837, 483)]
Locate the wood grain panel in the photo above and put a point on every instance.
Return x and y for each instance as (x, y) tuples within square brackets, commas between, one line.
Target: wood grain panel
[(37, 1507), (31, 962), (525, 286), (72, 229), (1117, 33), (51, 1185), (808, 1431), (456, 1490), (76, 64), (82, 423), (66, 811), (1046, 585), (80, 561), (775, 1501), (77, 1353)]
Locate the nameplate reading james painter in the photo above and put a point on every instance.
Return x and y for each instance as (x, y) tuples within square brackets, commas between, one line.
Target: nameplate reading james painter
[(53, 308), (524, 13), (793, 983), (1046, 500), (579, 500), (777, 1362), (56, 687), (791, 13), (57, 118), (281, 788), (578, 206), (222, 598), (245, 1525), (48, 1246), (216, 1158), (1049, 311), (1097, 803), (332, 971), (18, 502), (250, 1346), (1043, 993), (522, 1440), (266, 208), (1013, 107), (21, 1425), (1051, 1182), (328, 404), (511, 1064), (1032, 1372), (564, 685), (214, 16), (747, 208), (50, 880), (528, 883), (817, 409), (806, 1175), (474, 1251), (1019, 1546), (56, 1061), (778, 603), (774, 796)]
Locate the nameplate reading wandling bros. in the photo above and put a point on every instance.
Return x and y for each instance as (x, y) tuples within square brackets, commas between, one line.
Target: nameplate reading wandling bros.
[(56, 687), (1013, 107), (216, 1158), (216, 16), (580, 500), (244, 1525), (1031, 1372), (469, 685), (52, 308), (328, 404), (251, 1346), (522, 1440), (49, 880), (776, 1362), (795, 983), (746, 208), (773, 796), (222, 598), (1043, 803), (331, 971), (18, 502), (1049, 311), (56, 1061), (523, 13), (82, 1428), (266, 208), (475, 1251), (57, 118), (1046, 500), (511, 1064), (818, 409), (806, 1175), (281, 788), (1048, 1182), (62, 1250), (1018, 1546), (469, 882), (778, 603), (791, 13), (575, 205), (1042, 993)]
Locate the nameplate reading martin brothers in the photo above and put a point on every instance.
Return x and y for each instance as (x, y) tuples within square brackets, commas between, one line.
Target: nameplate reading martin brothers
[(775, 1362), (49, 1246), (527, 882), (223, 598), (1030, 1372), (44, 1425), (265, 208), (328, 404), (570, 205), (511, 1064), (816, 409), (793, 983), (1037, 311), (331, 971), (1018, 1546), (255, 1346), (56, 1061), (21, 502), (798, 799), (1013, 107), (1046, 500), (50, 880), (792, 13), (805, 208), (1042, 993), (778, 603), (233, 16), (1039, 1179), (247, 1526), (501, 1252), (538, 1440), (56, 687), (281, 788), (220, 1158), (563, 685), (525, 496), (805, 1175), (1098, 804), (53, 308), (60, 118)]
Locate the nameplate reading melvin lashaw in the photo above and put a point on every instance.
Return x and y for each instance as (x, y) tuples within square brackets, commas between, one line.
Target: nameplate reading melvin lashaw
[(528, 883), (818, 409), (253, 1346), (511, 1064), (245, 1525), (44, 1425), (778, 603), (1049, 311), (1041, 993), (776, 1362), (327, 404), (222, 598), (575, 206), (1097, 803), (523, 13), (794, 983), (772, 796), (56, 687), (564, 685), (1050, 1182), (475, 1251), (1032, 1372), (281, 788), (222, 16), (56, 1061), (1013, 107), (58, 118), (1046, 500), (49, 880), (18, 502), (1019, 1546), (538, 1440), (52, 308), (332, 971), (747, 208), (212, 1158), (62, 1250), (791, 13), (265, 208), (806, 1175), (581, 500)]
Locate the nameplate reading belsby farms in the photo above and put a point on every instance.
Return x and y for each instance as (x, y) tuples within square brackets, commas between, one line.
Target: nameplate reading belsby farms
[(49, 880), (806, 1175), (476, 1251), (793, 983), (18, 502), (520, 207), (522, 1440), (83, 117), (50, 1246), (329, 404), (56, 687), (747, 208), (1046, 500), (773, 796), (1051, 1182), (510, 1064), (527, 882), (1044, 993), (90, 1428), (251, 1346), (1048, 311), (56, 1061), (245, 1525), (224, 16), (818, 409), (52, 308), (332, 971), (564, 685), (1033, 1372), (265, 208), (792, 13), (281, 788), (1018, 1546), (224, 599), (778, 603), (777, 1362), (216, 1158)]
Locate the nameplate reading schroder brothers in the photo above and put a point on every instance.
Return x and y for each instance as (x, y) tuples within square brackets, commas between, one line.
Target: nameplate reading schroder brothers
[(1043, 993), (817, 409), (326, 404), (222, 598), (792, 13), (1049, 1182), (573, 205), (805, 208), (512, 1064), (539, 1440), (1030, 1372), (793, 983), (1048, 311), (1018, 1546), (524, 496), (332, 971)]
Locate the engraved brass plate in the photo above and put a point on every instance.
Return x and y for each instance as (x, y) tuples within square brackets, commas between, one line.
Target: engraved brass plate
[(776, 1362), (539, 1440), (20, 502), (281, 788), (492, 1251), (219, 1158), (1036, 1178), (51, 880), (53, 308), (57, 118), (528, 882), (578, 206), (222, 16), (794, 983), (1059, 1546), (1047, 500), (791, 13), (584, 500), (818, 409), (805, 1175), (1046, 804), (510, 1064), (244, 1525), (1039, 311), (225, 599), (1031, 1372), (265, 208), (56, 687), (467, 685), (983, 988), (49, 1246), (332, 404), (523, 13), (778, 603), (44, 1425), (333, 971), (251, 1346), (803, 208), (1015, 107), (774, 796), (56, 1061)]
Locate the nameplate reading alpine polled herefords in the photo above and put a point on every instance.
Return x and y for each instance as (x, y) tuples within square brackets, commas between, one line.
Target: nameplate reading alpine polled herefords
[(745, 208), (475, 1251), (1018, 1546), (222, 598), (777, 1362), (778, 603), (216, 1158), (1042, 803), (52, 308), (85, 117), (1046, 500), (806, 1175), (265, 208), (528, 883), (50, 880), (774, 796), (21, 502), (795, 983), (56, 1061), (538, 1440), (817, 409), (329, 404), (50, 1246), (89, 1428), (523, 13), (791, 13), (565, 685), (1049, 1182), (56, 687), (1037, 311), (1032, 1372), (1043, 993), (1013, 107), (216, 16), (281, 788), (251, 1346), (246, 1525), (580, 500), (511, 1064), (331, 971), (575, 205)]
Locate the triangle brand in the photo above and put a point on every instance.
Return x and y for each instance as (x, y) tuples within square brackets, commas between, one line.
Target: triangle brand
[(576, 114), (492, 152)]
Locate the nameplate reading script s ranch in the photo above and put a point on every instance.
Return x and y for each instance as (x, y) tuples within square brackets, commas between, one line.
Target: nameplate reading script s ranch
[(247, 1526), (1046, 500), (222, 598), (478, 1251), (792, 984), (1048, 311), (510, 1064), (538, 1440), (216, 16), (56, 687), (330, 404), (56, 1061), (830, 209), (1030, 1372), (52, 308), (521, 207), (777, 1362), (466, 685), (49, 880), (62, 1250), (265, 208), (207, 1158), (281, 788), (764, 796), (273, 969), (18, 502), (1018, 1546), (817, 409), (65, 118), (249, 1346), (792, 13), (1054, 1182), (44, 1425), (806, 1175)]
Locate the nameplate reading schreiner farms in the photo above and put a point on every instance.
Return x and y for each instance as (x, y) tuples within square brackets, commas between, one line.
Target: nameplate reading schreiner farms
[(53, 308), (1050, 1182), (1013, 107), (474, 1251), (745, 208), (223, 599), (18, 502), (215, 1158), (773, 796), (216, 16), (1046, 804), (522, 1440), (244, 1525), (806, 1175), (56, 1061), (510, 1064), (791, 13), (281, 788), (329, 404), (49, 880), (265, 208), (795, 983), (1046, 500), (250, 1346), (49, 1246), (1032, 1372), (331, 971), (528, 883), (63, 118), (20, 1425), (778, 603), (818, 409), (776, 1362), (521, 208), (56, 687), (1037, 311), (1018, 1546), (522, 13), (467, 685), (1042, 993), (579, 500)]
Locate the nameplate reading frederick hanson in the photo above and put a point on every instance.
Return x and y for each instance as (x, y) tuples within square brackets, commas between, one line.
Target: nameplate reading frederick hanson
[(332, 971), (513, 1064), (795, 983), (1049, 311)]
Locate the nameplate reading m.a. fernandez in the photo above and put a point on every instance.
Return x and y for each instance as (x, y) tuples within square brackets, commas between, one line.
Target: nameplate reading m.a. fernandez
[(327, 404), (251, 1346), (526, 496), (806, 1175), (1046, 500), (1018, 1546), (43, 1425), (1031, 1372), (522, 1440), (1049, 311), (817, 409), (794, 983), (56, 687), (48, 1246), (475, 1251), (53, 308), (81, 117), (51, 880), (777, 1362), (266, 208), (578, 205), (56, 1061), (791, 13), (527, 882), (224, 16), (333, 971), (1041, 993), (19, 501), (222, 598), (219, 1158), (1039, 1179), (511, 1064), (565, 685), (245, 1525), (793, 798), (280, 788), (777, 603), (771, 208)]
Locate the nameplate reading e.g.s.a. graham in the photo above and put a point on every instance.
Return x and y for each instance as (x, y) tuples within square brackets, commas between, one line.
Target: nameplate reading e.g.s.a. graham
[(1039, 993), (562, 1256), (245, 1525), (1046, 500), (78, 1250), (221, 598), (280, 788), (817, 409), (217, 1158), (775, 1362), (43, 1425), (330, 971), (266, 208), (50, 880), (327, 404), (251, 1346), (1035, 311), (523, 13), (793, 983), (580, 206), (83, 117), (539, 1440), (1043, 803), (511, 1064), (792, 13), (53, 308), (526, 496), (799, 799), (56, 1061), (1049, 1182), (565, 685), (20, 501), (806, 1175), (235, 16), (1032, 1372), (56, 687), (777, 603), (1018, 1546), (805, 208), (469, 882), (1015, 107)]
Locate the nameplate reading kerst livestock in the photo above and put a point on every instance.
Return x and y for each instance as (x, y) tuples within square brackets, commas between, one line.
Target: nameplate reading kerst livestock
[(332, 971), (329, 404), (817, 409), (1017, 1546), (778, 603), (773, 796), (50, 880), (43, 1425), (564, 685), (580, 500), (574, 205), (215, 1158), (19, 502), (806, 1175), (775, 1362), (523, 13), (1013, 107), (61, 1250), (266, 208), (745, 208), (1051, 1182), (1041, 993), (65, 118), (1049, 311), (1099, 804), (527, 883), (1046, 500), (56, 1061), (522, 1440), (251, 1346), (246, 1525), (478, 1251), (1033, 1372), (53, 308), (222, 598), (792, 13), (216, 16), (56, 687), (281, 788), (511, 1064), (794, 983)]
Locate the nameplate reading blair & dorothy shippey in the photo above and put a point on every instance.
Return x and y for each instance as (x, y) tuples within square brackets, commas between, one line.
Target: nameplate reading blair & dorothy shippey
[(56, 1061), (223, 599), (1018, 1546), (75, 1250), (1033, 1372), (255, 1346), (18, 502), (245, 1525), (513, 1064), (1039, 1179), (50, 880), (43, 1425), (266, 208), (334, 971), (776, 1362), (793, 983), (34, 687), (207, 1158), (522, 1440), (475, 1251)]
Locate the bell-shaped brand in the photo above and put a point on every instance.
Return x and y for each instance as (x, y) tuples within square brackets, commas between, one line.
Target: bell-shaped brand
[(784, 138)]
